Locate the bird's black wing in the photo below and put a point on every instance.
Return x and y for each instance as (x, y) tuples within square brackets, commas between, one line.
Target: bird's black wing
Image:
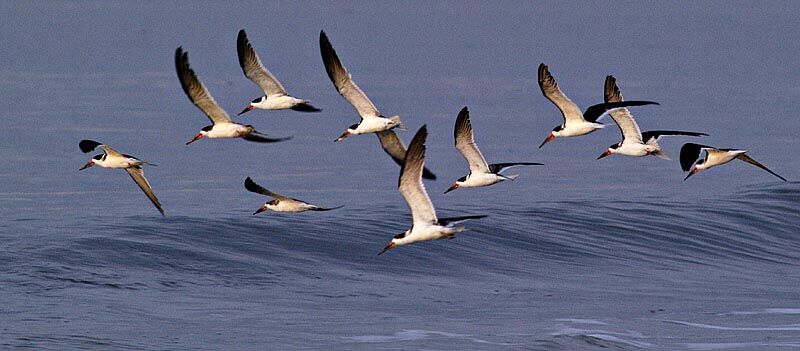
[(594, 112), (689, 154)]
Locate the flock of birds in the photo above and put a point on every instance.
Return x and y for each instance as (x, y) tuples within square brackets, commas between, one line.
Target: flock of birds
[(425, 224)]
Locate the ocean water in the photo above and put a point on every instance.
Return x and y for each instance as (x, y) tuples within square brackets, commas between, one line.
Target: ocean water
[(578, 254)]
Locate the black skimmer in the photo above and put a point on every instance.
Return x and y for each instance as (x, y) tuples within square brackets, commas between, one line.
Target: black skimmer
[(222, 126), (275, 96), (371, 119), (480, 172), (714, 157), (114, 159), (281, 203), (634, 142), (425, 224), (395, 148), (575, 122)]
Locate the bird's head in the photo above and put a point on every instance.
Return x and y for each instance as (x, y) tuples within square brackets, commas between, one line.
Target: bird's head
[(556, 131), (457, 184), (203, 132), (92, 162), (610, 151), (350, 131), (266, 206), (252, 105), (397, 240)]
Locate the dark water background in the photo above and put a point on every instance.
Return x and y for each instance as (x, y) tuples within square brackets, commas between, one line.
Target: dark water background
[(577, 254)]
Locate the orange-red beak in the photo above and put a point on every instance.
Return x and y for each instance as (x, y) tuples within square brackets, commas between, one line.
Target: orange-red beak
[(87, 165), (693, 171), (246, 109), (196, 138), (387, 248), (608, 152), (454, 187), (260, 209), (344, 135), (548, 139)]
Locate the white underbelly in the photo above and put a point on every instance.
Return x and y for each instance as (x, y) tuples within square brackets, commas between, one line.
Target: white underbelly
[(636, 150), (373, 125), (226, 130), (578, 129), (281, 102), (285, 206), (481, 179)]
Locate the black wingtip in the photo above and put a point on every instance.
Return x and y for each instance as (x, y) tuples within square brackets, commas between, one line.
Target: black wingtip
[(305, 108), (88, 145), (250, 185)]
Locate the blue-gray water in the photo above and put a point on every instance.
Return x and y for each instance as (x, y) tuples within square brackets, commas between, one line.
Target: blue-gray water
[(619, 253)]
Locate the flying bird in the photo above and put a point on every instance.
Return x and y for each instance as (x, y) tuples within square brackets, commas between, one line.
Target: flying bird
[(634, 142), (114, 159), (222, 126), (275, 96), (714, 157), (372, 120), (395, 148), (281, 203), (575, 122), (425, 224), (480, 172)]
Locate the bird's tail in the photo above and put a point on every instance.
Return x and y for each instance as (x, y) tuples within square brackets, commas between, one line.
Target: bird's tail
[(449, 222), (398, 123), (662, 155), (508, 177)]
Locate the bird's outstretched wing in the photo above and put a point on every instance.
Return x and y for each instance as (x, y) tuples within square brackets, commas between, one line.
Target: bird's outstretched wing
[(395, 148), (261, 138), (253, 68), (653, 135), (689, 154), (594, 112), (753, 162), (90, 145), (569, 110), (343, 81), (410, 181), (465, 143), (251, 186), (499, 167), (196, 91), (137, 175)]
